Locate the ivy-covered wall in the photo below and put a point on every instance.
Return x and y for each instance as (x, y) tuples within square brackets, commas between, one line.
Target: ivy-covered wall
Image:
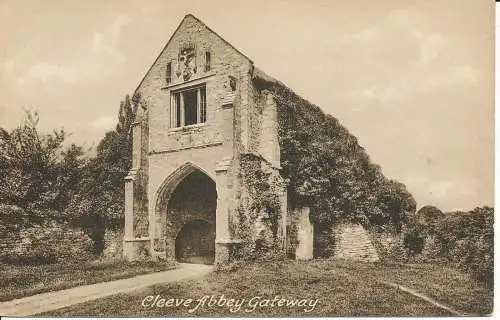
[(326, 168), (259, 220)]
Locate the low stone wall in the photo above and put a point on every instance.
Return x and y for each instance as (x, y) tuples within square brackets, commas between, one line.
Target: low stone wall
[(342, 241), (353, 242), (49, 242), (8, 242)]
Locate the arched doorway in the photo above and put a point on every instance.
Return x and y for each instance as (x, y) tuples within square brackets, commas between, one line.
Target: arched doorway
[(195, 243), (188, 218)]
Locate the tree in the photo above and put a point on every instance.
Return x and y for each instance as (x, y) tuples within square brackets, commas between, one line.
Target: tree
[(427, 217), (36, 173), (99, 204), (50, 182), (396, 203)]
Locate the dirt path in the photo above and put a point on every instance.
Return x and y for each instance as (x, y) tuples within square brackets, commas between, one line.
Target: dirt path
[(59, 299)]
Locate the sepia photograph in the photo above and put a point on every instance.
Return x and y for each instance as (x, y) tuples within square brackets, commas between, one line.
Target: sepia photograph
[(287, 158)]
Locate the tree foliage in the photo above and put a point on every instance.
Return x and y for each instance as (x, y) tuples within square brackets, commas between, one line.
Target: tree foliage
[(52, 182), (99, 202), (427, 218), (36, 172), (462, 238)]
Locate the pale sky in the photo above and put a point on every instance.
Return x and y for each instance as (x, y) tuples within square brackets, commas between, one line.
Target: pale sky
[(413, 80)]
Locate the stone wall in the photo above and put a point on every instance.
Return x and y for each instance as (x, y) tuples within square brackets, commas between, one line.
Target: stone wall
[(49, 242), (343, 241), (264, 127), (353, 242), (113, 244)]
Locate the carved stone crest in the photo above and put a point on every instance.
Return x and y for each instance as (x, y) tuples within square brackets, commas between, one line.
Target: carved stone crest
[(187, 62)]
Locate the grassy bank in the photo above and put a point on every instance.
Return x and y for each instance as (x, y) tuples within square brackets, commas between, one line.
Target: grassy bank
[(342, 289), (20, 281)]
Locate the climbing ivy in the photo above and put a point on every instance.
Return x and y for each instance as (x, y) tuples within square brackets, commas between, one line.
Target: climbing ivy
[(328, 170), (260, 204)]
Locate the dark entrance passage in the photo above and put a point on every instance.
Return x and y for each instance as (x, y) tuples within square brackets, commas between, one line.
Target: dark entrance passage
[(190, 219), (323, 241), (195, 243)]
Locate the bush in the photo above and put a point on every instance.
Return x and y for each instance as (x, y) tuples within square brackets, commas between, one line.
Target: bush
[(12, 219), (467, 241), (414, 242), (431, 252), (464, 239), (389, 245), (475, 255), (396, 252)]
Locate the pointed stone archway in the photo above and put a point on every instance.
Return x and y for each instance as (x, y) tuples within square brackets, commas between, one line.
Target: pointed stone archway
[(185, 217)]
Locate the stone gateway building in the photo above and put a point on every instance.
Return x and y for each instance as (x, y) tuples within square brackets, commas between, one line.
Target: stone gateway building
[(205, 183)]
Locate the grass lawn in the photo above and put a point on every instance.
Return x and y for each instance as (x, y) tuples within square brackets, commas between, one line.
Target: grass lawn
[(342, 289), (445, 284), (20, 281)]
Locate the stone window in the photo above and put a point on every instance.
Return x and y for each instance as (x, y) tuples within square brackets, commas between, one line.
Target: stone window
[(208, 61), (188, 107), (169, 72)]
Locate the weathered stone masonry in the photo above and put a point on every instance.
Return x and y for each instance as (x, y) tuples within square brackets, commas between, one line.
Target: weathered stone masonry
[(205, 179)]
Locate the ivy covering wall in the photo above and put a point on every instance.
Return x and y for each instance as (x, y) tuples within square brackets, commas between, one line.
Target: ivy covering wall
[(260, 210), (326, 168)]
